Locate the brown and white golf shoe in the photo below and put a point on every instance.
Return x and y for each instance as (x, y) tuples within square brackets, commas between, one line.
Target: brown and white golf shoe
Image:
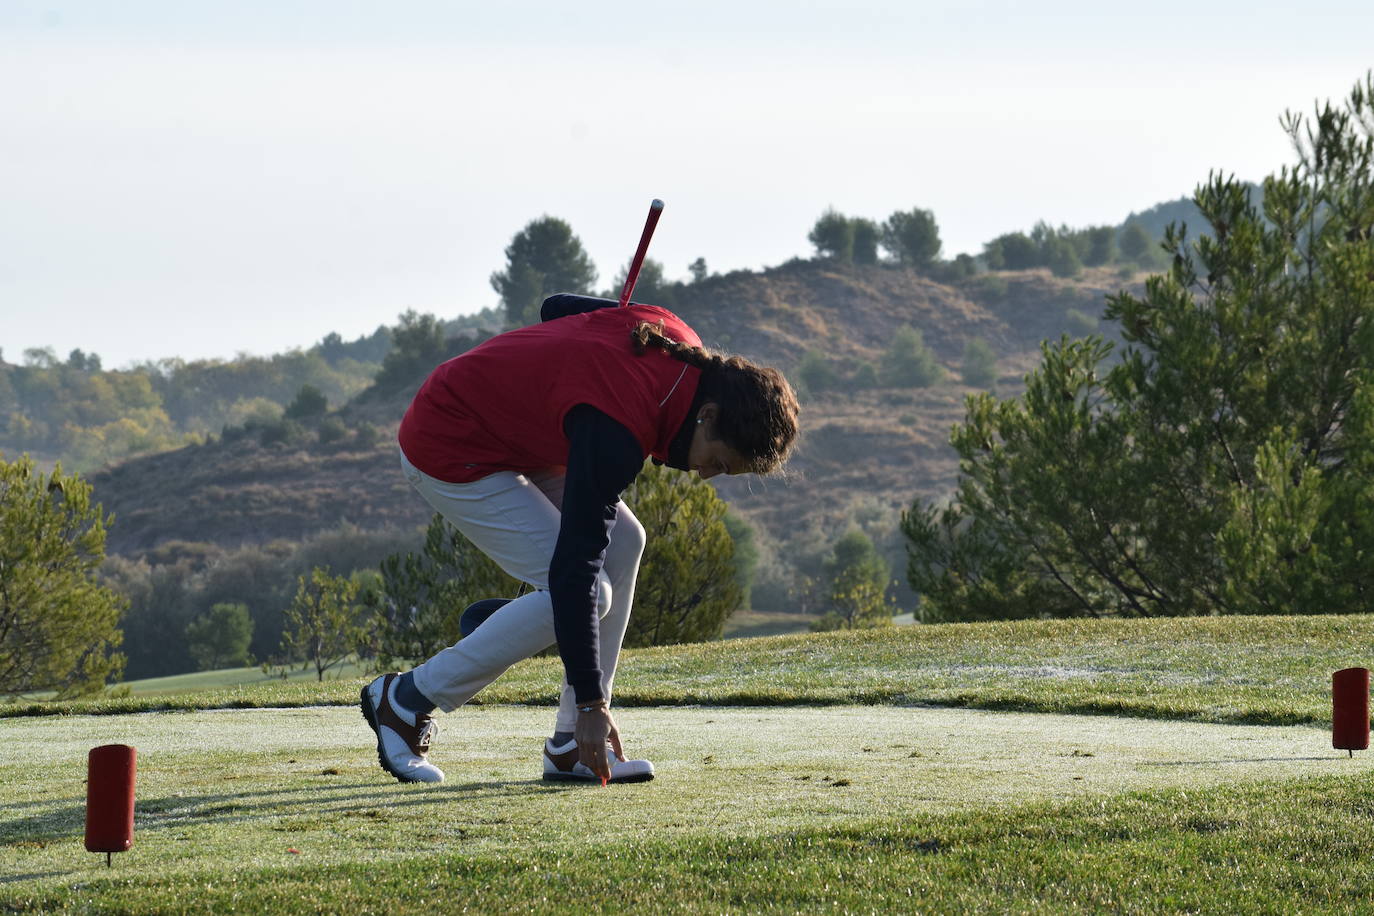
[(402, 747), (561, 765)]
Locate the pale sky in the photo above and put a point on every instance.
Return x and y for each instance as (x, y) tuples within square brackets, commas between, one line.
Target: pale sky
[(198, 178)]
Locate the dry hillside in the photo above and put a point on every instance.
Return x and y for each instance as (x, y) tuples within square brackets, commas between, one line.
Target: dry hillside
[(875, 449)]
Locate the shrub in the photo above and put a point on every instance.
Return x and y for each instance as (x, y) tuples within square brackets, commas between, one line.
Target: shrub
[(309, 402), (220, 637), (908, 362), (980, 364)]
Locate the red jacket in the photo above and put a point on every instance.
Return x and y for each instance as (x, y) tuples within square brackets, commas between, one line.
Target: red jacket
[(501, 405)]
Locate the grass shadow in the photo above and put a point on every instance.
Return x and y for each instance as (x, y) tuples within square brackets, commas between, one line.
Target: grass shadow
[(159, 812), (45, 826), (1229, 760)]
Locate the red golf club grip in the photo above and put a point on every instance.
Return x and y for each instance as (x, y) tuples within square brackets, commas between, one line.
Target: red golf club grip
[(655, 211)]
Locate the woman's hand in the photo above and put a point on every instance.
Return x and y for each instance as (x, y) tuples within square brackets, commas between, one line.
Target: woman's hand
[(595, 728)]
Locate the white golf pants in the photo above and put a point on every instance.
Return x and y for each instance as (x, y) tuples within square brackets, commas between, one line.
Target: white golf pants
[(514, 519)]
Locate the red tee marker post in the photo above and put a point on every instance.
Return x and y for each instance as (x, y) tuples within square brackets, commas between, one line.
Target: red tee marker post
[(110, 799), (1350, 710)]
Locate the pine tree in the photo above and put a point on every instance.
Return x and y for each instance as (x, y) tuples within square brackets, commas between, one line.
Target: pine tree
[(1225, 463), (58, 624)]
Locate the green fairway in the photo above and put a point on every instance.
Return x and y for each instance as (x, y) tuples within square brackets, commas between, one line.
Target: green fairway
[(266, 792), (1262, 670), (813, 773), (200, 681)]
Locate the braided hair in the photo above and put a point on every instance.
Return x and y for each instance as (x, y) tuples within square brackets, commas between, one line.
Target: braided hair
[(758, 409)]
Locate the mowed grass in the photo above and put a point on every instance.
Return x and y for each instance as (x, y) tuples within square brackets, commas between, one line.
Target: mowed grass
[(1264, 670), (838, 808), (222, 678)]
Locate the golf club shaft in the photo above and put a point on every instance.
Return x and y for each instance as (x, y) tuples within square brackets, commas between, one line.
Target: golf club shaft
[(655, 211)]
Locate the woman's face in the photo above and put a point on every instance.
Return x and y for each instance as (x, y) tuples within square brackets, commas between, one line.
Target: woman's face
[(709, 455)]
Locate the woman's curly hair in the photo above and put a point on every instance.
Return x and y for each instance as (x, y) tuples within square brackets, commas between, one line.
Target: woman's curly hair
[(758, 408)]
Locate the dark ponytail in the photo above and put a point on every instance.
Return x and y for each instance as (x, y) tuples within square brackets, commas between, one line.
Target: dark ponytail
[(757, 407)]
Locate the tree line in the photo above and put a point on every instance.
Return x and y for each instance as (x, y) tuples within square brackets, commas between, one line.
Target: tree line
[(74, 410)]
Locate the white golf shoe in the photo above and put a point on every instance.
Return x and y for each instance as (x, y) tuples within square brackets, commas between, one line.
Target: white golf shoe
[(402, 746), (561, 764)]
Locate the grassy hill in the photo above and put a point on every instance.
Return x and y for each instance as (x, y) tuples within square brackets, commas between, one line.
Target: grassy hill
[(871, 450)]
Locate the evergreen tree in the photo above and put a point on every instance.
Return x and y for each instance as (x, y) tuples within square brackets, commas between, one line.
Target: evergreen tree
[(1013, 251), (542, 259), (1225, 464), (1100, 247), (867, 236), (417, 346), (58, 624), (1061, 258), (912, 237), (833, 237), (1135, 244)]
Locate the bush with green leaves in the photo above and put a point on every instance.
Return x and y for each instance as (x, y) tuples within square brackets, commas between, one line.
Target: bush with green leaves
[(1012, 251), (331, 431), (980, 364), (1062, 258), (59, 626), (1099, 245), (856, 579), (1136, 245), (688, 583), (855, 240), (815, 373), (308, 403), (833, 237), (220, 637), (908, 362), (417, 346), (1225, 464), (865, 376)]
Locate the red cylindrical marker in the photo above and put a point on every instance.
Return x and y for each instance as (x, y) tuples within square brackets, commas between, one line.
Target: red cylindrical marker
[(1350, 709), (110, 799)]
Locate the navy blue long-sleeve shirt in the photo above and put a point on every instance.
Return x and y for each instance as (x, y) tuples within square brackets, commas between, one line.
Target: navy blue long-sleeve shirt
[(603, 459)]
